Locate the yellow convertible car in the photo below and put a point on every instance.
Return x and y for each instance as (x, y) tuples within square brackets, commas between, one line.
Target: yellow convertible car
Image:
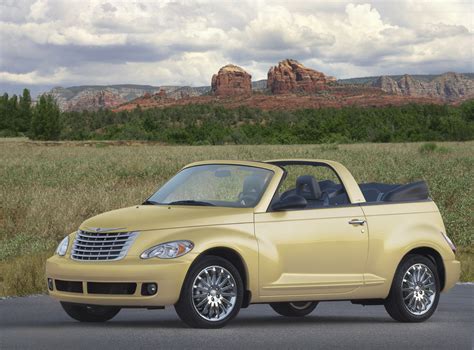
[(221, 235)]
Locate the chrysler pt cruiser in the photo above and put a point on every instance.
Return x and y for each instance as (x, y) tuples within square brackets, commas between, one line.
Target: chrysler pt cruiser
[(221, 235)]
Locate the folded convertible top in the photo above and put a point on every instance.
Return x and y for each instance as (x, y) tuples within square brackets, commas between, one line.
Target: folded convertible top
[(414, 191), (378, 192)]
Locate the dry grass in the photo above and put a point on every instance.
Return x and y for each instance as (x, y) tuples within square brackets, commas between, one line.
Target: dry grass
[(466, 256), (24, 275), (46, 191)]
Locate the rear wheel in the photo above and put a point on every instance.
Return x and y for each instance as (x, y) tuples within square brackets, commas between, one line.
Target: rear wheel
[(90, 313), (415, 290), (212, 294), (294, 309)]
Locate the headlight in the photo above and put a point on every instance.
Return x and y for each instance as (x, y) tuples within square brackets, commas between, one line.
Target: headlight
[(62, 247), (450, 243), (168, 250)]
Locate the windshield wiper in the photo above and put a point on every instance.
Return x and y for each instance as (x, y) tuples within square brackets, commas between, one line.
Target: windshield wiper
[(149, 202), (191, 202)]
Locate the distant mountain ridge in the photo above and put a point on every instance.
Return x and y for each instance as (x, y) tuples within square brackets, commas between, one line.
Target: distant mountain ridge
[(93, 97), (447, 86), (420, 77)]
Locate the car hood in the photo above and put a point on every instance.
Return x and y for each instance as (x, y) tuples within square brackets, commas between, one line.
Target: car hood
[(157, 217)]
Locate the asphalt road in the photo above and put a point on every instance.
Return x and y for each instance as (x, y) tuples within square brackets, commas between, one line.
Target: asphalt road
[(39, 323)]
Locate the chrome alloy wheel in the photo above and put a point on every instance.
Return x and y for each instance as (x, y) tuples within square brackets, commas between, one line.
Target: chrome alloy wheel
[(301, 305), (214, 293), (418, 289)]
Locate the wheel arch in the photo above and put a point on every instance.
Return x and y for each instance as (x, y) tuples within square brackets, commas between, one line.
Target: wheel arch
[(235, 259), (434, 256)]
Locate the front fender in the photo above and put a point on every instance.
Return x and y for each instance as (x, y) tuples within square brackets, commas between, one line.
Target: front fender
[(237, 237)]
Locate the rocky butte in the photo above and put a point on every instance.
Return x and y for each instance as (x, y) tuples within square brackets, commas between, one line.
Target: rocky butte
[(231, 80), (291, 76)]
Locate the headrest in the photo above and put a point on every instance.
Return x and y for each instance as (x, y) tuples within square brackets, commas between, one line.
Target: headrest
[(253, 184), (308, 187)]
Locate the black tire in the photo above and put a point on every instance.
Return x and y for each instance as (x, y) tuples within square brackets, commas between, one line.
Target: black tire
[(294, 309), (395, 304), (185, 308), (90, 313)]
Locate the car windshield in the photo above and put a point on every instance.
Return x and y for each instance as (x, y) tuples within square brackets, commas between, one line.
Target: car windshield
[(220, 185)]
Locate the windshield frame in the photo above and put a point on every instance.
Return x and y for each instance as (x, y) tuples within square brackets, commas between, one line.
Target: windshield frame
[(257, 165)]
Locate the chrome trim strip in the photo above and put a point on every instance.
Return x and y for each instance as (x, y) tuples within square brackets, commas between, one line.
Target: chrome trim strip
[(98, 245), (98, 251), (118, 235), (104, 229)]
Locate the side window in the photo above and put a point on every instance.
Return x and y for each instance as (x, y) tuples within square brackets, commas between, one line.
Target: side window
[(318, 184)]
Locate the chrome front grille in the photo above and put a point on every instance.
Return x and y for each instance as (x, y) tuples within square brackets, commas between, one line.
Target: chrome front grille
[(101, 246)]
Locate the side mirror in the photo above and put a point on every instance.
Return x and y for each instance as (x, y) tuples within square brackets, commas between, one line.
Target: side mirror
[(291, 202)]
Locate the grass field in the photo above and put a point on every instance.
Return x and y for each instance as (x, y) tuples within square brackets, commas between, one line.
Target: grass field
[(48, 189)]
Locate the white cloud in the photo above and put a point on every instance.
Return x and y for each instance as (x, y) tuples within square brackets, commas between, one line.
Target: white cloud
[(38, 10), (34, 78), (69, 42), (55, 34)]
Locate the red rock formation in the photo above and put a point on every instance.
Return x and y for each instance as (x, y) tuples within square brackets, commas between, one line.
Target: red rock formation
[(231, 80), (335, 97), (292, 76)]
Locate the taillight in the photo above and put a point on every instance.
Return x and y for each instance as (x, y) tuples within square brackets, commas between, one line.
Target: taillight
[(450, 243)]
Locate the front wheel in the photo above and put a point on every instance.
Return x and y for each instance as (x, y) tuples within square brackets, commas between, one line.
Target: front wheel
[(90, 313), (294, 309), (212, 294), (415, 290)]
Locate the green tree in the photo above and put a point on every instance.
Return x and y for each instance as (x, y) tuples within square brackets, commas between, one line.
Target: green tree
[(45, 121), (8, 115), (4, 112), (12, 116), (467, 110), (23, 120)]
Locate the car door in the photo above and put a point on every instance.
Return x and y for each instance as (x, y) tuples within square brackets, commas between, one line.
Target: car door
[(311, 251)]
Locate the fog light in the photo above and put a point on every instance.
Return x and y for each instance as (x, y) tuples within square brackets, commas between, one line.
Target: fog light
[(149, 288), (50, 284)]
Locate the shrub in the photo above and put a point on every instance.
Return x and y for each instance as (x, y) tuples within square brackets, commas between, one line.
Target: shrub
[(428, 147), (329, 147)]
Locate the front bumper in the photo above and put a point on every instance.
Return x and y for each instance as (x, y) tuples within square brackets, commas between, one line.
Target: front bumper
[(167, 274), (452, 273)]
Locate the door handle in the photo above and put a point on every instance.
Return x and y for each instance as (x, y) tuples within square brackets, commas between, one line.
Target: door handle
[(357, 222)]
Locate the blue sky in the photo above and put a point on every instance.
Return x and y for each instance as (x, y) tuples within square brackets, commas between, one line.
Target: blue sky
[(46, 43)]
